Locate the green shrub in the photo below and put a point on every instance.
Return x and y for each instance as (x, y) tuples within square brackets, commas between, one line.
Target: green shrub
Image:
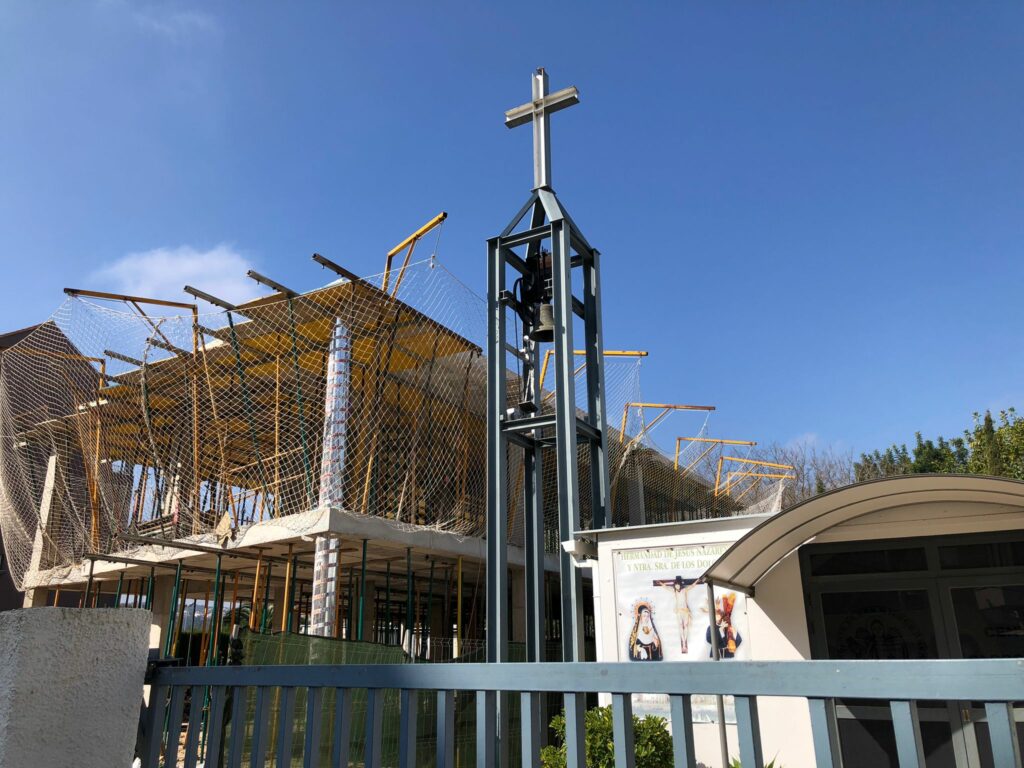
[(652, 741), (735, 763)]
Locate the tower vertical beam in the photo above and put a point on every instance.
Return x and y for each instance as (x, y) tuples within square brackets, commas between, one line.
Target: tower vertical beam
[(594, 347), (497, 461), (533, 500), (565, 436)]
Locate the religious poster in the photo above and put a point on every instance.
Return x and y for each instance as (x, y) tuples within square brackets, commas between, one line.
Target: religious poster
[(662, 614)]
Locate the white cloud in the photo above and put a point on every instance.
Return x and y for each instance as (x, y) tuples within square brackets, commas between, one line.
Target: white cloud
[(176, 26), (807, 439), (161, 273)]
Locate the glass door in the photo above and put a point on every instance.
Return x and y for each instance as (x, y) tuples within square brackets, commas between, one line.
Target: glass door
[(984, 619), (944, 597), (868, 621)]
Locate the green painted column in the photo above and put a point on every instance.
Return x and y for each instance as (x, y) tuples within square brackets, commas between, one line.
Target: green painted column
[(362, 594), (172, 614)]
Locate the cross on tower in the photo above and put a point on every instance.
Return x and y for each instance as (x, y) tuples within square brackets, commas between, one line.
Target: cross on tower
[(537, 111)]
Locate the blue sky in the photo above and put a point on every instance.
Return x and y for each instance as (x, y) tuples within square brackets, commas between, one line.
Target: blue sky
[(811, 214)]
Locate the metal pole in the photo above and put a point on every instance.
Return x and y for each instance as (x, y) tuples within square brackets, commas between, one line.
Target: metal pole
[(408, 597), (88, 586), (255, 594), (117, 594), (215, 628), (286, 613), (716, 652), (599, 483), (149, 589), (172, 613), (566, 448), (349, 623), (291, 594), (180, 623), (264, 616), (387, 601), (362, 594), (458, 607), (430, 605)]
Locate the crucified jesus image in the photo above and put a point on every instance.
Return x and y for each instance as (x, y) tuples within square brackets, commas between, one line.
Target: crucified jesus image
[(680, 590)]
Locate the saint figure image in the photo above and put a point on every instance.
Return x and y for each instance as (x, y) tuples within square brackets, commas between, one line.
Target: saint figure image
[(644, 641), (729, 638), (680, 590)]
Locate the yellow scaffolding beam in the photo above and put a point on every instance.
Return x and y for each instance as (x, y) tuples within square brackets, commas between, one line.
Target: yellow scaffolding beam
[(409, 244), (665, 408), (755, 462), (713, 440)]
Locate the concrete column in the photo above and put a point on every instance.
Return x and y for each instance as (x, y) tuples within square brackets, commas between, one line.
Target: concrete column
[(73, 686)]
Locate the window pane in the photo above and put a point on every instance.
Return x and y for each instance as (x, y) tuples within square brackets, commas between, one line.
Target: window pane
[(879, 625), (990, 621), (868, 561), (994, 555)]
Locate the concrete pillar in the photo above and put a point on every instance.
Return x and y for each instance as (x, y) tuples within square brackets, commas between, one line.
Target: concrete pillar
[(72, 683), (162, 588)]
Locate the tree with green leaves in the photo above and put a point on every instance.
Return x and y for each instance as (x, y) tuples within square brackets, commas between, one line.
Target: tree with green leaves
[(990, 448)]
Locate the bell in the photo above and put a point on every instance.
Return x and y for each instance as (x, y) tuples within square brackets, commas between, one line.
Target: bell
[(544, 331)]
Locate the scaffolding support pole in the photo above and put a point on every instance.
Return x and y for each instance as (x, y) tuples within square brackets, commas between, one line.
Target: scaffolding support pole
[(255, 594), (117, 593), (430, 605), (291, 595), (172, 613), (215, 624), (408, 596), (287, 612), (362, 594), (264, 614), (88, 586), (387, 604), (458, 607), (181, 619), (149, 589)]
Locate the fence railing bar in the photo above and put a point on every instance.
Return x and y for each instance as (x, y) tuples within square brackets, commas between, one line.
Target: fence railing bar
[(486, 721), (970, 679), (177, 713), (530, 728), (285, 726), (909, 748), (342, 726), (682, 731), (215, 726), (575, 730), (1002, 732), (152, 736), (260, 728), (824, 733), (239, 697), (748, 727), (622, 730), (408, 703), (195, 726), (372, 745), (314, 718), (445, 729)]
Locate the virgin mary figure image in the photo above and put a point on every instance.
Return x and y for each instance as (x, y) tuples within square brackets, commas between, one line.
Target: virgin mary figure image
[(644, 641)]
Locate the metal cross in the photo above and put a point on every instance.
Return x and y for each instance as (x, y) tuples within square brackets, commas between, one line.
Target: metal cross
[(543, 104)]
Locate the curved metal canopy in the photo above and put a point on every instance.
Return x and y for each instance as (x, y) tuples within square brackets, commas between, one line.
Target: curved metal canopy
[(751, 557)]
